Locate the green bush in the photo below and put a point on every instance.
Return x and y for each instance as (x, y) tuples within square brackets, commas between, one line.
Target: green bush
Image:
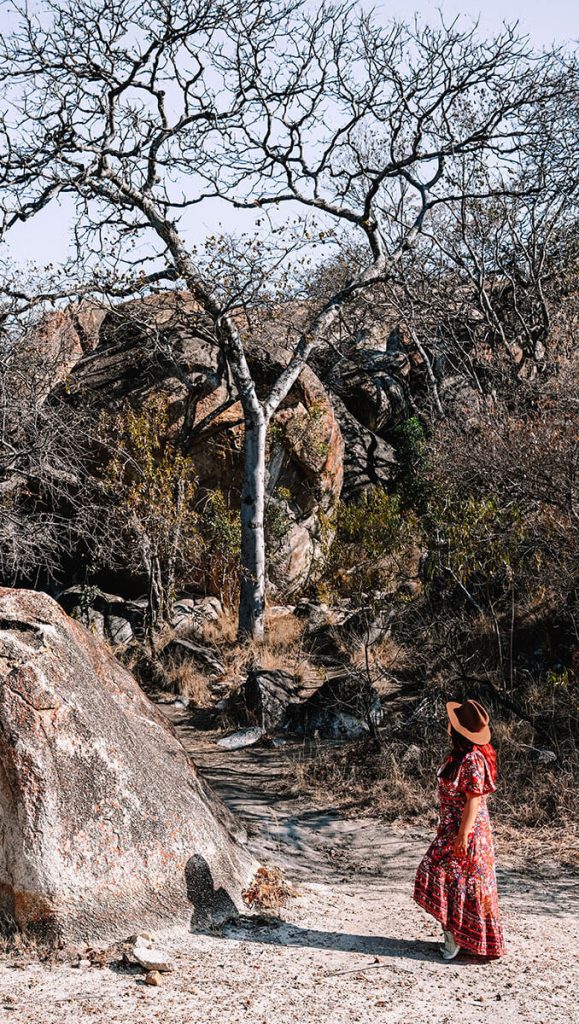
[(372, 535)]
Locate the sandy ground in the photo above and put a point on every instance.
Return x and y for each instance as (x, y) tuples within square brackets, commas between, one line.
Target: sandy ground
[(351, 947)]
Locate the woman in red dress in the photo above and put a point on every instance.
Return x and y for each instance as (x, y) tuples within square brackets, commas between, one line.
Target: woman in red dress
[(456, 880)]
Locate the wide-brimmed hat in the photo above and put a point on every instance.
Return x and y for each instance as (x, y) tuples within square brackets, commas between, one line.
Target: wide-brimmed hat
[(470, 720)]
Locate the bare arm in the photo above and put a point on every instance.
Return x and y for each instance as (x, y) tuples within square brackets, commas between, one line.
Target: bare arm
[(469, 813)]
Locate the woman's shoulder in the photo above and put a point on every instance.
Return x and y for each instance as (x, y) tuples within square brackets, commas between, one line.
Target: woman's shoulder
[(474, 774), (474, 757)]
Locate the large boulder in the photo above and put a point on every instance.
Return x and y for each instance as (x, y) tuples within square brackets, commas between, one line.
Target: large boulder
[(266, 696), (61, 339), (369, 461), (346, 706), (120, 620), (158, 342), (105, 826)]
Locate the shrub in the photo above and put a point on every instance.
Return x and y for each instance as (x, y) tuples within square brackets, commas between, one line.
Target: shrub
[(370, 544)]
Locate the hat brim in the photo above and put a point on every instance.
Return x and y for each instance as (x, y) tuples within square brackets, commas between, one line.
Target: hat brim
[(480, 738)]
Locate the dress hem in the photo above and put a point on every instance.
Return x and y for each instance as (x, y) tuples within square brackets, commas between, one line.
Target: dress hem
[(447, 923)]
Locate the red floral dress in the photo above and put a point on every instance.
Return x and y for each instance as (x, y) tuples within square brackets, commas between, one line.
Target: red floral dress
[(461, 893)]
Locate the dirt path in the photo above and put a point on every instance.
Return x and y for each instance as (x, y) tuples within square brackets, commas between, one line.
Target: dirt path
[(352, 947)]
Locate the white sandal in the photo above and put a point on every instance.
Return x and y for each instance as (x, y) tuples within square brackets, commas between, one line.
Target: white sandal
[(450, 948)]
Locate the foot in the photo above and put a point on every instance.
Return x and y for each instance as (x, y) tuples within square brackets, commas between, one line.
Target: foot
[(450, 948)]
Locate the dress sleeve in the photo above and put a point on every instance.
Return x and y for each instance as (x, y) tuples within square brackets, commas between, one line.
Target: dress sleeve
[(474, 775)]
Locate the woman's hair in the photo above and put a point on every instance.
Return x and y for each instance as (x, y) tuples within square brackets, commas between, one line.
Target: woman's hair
[(460, 748)]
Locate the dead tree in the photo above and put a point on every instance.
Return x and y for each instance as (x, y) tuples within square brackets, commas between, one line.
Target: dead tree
[(143, 115)]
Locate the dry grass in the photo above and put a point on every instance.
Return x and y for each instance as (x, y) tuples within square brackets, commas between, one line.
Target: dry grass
[(268, 890), (23, 947), (359, 777), (283, 631), (535, 804), (222, 630), (188, 680), (282, 648)]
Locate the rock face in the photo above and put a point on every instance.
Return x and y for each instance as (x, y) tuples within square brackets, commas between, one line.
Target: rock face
[(120, 621), (63, 337), (105, 827), (369, 376), (369, 461)]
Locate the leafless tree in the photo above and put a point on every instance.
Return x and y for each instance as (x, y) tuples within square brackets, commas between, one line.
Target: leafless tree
[(143, 115), (40, 457)]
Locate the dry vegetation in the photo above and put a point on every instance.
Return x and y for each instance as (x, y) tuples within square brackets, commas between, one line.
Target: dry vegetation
[(536, 801), (268, 890)]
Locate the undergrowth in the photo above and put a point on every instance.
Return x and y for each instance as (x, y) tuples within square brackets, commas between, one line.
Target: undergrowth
[(396, 778)]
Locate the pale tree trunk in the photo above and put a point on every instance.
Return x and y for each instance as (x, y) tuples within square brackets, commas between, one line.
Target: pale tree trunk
[(257, 415), (252, 581)]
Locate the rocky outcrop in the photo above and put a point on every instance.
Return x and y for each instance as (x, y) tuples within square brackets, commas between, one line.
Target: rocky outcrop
[(161, 346), (62, 338), (158, 342), (369, 461), (105, 827), (346, 706), (369, 376), (121, 621)]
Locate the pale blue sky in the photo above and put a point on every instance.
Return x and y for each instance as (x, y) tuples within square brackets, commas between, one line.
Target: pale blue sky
[(47, 237)]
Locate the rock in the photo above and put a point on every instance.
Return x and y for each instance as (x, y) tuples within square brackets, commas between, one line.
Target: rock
[(363, 628), (336, 725), (64, 336), (323, 634), (241, 738), (369, 461), (332, 633), (344, 706), (179, 651), (461, 399), (181, 702), (266, 695), (161, 347), (104, 822), (152, 959), (280, 611), (116, 619), (542, 756), (144, 343), (118, 631), (153, 978), (192, 614), (370, 377)]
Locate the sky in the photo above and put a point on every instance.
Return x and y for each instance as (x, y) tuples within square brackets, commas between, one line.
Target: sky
[(47, 237)]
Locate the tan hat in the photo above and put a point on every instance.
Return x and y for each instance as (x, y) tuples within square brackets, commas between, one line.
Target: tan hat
[(471, 720)]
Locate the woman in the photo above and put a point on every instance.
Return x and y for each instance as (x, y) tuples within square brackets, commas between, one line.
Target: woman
[(456, 881)]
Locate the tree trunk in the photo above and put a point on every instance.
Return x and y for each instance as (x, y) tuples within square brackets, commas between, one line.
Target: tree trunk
[(252, 583)]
